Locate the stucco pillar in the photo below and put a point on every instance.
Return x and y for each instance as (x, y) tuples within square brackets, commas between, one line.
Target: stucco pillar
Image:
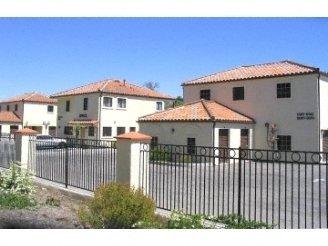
[(22, 140), (132, 165), (234, 141)]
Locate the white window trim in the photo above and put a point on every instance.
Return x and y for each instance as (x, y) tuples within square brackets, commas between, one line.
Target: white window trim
[(104, 106), (102, 132)]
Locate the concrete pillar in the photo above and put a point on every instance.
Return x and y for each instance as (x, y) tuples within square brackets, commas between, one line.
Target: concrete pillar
[(132, 165), (22, 140)]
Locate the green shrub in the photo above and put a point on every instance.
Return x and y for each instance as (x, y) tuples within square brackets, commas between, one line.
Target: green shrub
[(238, 222), (16, 188), (15, 201), (117, 206), (179, 220), (51, 201)]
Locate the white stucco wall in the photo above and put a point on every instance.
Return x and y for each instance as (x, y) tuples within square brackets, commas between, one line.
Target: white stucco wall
[(35, 114), (202, 131), (261, 103), (108, 117), (5, 127)]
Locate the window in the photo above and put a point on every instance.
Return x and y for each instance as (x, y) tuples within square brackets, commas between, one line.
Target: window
[(68, 130), (121, 103), (205, 94), (191, 143), (13, 128), (108, 102), (50, 108), (283, 90), (85, 103), (91, 131), (132, 129), (238, 93), (154, 141), (159, 105), (68, 105), (107, 131), (284, 142), (120, 130), (16, 107), (8, 107), (0, 107)]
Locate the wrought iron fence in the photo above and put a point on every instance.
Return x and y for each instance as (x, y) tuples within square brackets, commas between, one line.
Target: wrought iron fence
[(81, 163), (7, 151), (286, 189)]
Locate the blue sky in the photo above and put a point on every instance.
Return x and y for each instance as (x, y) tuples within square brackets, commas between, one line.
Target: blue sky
[(50, 55)]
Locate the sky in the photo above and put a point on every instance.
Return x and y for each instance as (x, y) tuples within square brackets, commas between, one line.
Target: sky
[(49, 55)]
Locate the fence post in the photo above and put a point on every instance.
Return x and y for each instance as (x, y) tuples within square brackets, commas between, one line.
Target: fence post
[(239, 183), (22, 145), (66, 165), (132, 166)]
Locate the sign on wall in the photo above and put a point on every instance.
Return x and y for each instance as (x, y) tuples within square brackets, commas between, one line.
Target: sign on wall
[(305, 116)]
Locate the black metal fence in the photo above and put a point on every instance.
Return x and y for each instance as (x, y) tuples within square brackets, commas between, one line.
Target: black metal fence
[(286, 189), (7, 151), (80, 163)]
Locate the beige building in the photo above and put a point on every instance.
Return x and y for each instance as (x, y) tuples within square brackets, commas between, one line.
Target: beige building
[(105, 109), (286, 100), (32, 110)]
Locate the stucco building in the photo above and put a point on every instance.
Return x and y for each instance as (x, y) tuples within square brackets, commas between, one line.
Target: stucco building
[(104, 109), (32, 110), (285, 103)]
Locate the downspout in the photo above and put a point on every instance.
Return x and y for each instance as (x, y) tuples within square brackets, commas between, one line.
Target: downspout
[(99, 114), (319, 115), (213, 132)]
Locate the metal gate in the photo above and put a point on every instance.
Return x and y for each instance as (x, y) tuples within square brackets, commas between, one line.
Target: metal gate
[(80, 163)]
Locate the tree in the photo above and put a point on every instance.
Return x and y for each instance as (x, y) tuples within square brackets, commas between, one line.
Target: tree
[(152, 85), (178, 101)]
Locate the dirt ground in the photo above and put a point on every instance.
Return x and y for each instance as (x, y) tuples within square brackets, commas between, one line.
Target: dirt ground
[(60, 213)]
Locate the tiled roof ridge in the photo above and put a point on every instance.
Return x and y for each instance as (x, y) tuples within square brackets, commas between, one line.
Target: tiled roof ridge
[(208, 111), (189, 81), (81, 86), (30, 95)]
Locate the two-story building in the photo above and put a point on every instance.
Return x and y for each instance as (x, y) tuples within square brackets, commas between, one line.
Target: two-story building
[(280, 105), (105, 109), (32, 110)]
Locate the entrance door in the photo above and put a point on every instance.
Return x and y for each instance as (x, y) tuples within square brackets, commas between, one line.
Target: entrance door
[(224, 142), (244, 138)]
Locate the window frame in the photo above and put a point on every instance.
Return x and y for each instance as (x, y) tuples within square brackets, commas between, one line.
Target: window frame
[(284, 90), (207, 95), (50, 106), (103, 102), (103, 131), (159, 103), (68, 106), (238, 93), (132, 127), (93, 131), (70, 132), (85, 103), (117, 131), (154, 141), (16, 107), (191, 148), (8, 108), (118, 104), (286, 144)]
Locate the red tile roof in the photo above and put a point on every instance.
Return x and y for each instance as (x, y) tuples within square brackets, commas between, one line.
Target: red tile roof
[(30, 97), (137, 136), (266, 70), (9, 117), (113, 87), (198, 111), (26, 131)]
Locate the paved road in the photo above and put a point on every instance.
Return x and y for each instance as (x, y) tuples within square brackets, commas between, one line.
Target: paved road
[(290, 195)]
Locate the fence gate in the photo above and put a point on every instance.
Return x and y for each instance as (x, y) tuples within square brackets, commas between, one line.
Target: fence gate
[(80, 163), (285, 189), (7, 151)]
